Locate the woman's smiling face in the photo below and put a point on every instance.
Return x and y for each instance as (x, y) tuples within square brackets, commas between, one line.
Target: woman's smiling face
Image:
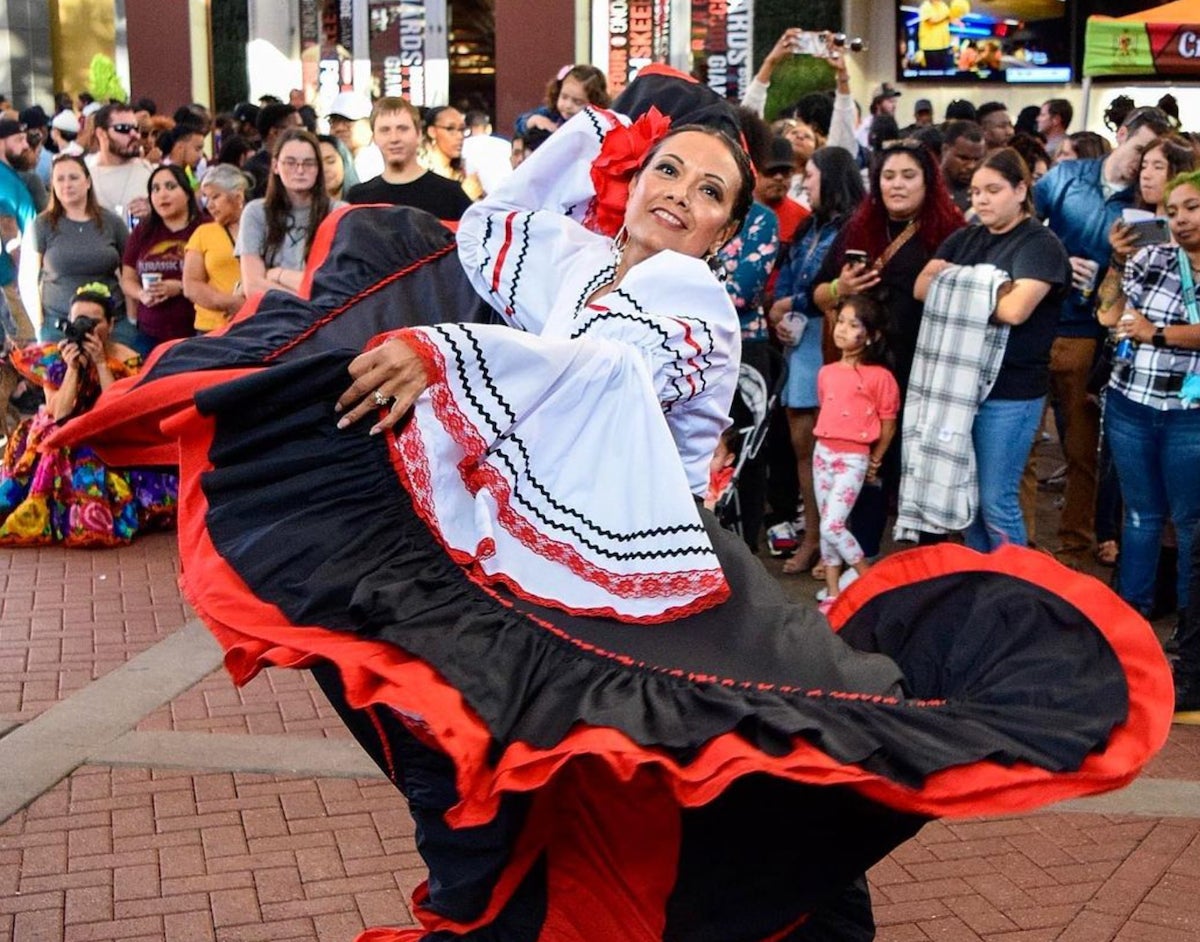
[(683, 197)]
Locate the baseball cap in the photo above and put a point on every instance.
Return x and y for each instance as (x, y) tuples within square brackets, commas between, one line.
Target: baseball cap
[(779, 154), (350, 105), (34, 117), (922, 104), (66, 122), (9, 127), (246, 113), (960, 110), (91, 108), (884, 91)]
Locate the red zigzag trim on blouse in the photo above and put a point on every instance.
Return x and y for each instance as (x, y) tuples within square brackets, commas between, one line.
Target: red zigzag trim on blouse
[(706, 586)]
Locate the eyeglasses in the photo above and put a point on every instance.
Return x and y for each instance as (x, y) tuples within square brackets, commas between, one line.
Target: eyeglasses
[(123, 128), (291, 164), (452, 128)]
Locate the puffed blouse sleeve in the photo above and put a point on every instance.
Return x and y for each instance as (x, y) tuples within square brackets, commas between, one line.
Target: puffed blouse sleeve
[(685, 326), (515, 243)]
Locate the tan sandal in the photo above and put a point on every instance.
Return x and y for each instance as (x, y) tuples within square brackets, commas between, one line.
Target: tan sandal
[(818, 572)]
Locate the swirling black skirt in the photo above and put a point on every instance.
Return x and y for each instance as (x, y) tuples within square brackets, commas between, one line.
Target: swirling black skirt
[(716, 777)]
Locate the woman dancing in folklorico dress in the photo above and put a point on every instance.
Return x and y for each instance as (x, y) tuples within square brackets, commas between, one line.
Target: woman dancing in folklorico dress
[(607, 719)]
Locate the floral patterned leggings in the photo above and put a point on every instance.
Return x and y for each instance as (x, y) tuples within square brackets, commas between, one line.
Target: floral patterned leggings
[(837, 478)]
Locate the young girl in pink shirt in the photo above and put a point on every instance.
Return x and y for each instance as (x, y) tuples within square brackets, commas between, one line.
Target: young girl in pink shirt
[(858, 403)]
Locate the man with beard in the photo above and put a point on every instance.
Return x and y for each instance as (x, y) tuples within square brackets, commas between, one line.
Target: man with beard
[(997, 126), (962, 152), (16, 212), (119, 174), (396, 131)]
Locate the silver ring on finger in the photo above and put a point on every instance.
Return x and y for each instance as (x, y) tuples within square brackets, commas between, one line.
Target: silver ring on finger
[(380, 398)]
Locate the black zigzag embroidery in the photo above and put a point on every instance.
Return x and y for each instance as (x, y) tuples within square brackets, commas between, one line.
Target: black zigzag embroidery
[(524, 474)]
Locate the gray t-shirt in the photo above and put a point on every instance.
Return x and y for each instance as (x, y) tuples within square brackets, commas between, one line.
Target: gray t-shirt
[(75, 253), (252, 235)]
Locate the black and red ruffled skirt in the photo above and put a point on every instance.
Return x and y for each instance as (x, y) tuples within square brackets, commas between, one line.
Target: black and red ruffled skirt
[(724, 776)]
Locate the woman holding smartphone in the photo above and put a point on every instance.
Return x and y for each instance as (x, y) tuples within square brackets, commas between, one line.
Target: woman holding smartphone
[(1163, 159), (1151, 418), (886, 243)]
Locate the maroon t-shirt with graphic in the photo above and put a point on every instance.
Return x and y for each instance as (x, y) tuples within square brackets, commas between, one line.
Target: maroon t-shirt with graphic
[(152, 247)]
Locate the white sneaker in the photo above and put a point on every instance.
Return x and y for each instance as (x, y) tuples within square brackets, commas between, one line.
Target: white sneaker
[(843, 580)]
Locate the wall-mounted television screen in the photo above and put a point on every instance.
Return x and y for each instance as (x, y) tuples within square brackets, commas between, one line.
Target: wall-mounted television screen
[(1011, 41)]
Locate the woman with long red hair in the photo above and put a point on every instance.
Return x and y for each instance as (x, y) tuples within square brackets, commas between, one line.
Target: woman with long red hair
[(908, 214)]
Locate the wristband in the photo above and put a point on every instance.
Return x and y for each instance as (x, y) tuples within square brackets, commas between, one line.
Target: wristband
[(833, 288)]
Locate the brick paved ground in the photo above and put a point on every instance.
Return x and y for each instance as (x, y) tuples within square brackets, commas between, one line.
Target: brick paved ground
[(196, 848)]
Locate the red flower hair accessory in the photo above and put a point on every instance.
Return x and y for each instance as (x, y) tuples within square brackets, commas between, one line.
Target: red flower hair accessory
[(621, 155)]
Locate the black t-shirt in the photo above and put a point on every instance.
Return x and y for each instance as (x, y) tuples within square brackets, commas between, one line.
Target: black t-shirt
[(1028, 250), (437, 195)]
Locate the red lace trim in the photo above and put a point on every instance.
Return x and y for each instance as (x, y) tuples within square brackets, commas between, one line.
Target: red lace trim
[(705, 587)]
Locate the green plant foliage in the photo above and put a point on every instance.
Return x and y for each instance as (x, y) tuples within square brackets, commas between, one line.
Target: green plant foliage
[(802, 74), (230, 33), (103, 82)]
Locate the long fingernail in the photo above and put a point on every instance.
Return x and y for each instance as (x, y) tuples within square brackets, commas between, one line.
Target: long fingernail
[(337, 407), (343, 422), (376, 429)]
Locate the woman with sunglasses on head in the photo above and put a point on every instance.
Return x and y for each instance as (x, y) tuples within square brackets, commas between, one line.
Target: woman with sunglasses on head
[(152, 267), (442, 147), (1032, 264), (277, 231), (75, 241), (834, 187), (67, 495), (908, 214)]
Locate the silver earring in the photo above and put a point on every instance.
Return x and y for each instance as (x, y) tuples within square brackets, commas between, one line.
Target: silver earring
[(619, 241)]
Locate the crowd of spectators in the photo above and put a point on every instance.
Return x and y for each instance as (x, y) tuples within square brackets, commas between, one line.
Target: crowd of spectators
[(1013, 234)]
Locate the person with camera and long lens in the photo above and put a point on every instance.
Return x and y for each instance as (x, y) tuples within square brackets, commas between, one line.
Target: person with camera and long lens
[(75, 241), (67, 495)]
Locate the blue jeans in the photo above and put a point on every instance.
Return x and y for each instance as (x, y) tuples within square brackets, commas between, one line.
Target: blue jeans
[(1157, 453), (1003, 435)]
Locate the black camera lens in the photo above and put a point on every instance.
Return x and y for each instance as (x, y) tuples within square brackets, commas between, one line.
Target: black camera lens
[(839, 39), (857, 45)]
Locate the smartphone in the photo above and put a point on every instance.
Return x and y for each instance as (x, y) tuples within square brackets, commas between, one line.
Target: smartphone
[(1152, 231), (809, 43), (855, 257)]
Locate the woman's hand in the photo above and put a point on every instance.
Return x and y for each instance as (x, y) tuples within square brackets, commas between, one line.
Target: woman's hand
[(1123, 239), (856, 278), (72, 355), (93, 348), (393, 373), (1134, 325), (777, 310)]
